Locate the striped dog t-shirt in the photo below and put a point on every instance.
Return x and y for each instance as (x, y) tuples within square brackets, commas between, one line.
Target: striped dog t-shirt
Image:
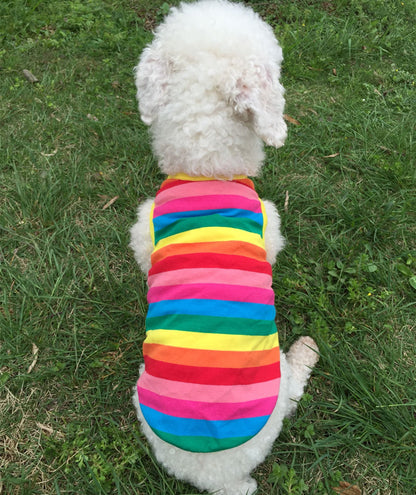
[(211, 353)]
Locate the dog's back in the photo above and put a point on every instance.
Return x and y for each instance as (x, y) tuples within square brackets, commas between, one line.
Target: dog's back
[(211, 353)]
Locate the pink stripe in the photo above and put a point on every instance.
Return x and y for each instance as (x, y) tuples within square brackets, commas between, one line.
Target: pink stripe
[(224, 292), (208, 411), (204, 188), (208, 202), (211, 275), (210, 393)]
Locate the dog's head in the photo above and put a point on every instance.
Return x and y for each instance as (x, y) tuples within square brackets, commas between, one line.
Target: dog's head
[(212, 56)]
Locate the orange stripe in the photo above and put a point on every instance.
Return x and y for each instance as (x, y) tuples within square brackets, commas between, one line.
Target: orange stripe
[(207, 358), (239, 248)]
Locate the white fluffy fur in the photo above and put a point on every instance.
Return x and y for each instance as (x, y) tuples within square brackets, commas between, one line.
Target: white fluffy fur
[(228, 472), (141, 240), (208, 86), (209, 79)]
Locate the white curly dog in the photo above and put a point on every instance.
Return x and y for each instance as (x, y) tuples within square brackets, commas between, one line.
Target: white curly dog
[(212, 392)]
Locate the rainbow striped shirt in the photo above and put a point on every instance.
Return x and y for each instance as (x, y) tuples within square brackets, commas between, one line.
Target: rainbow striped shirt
[(212, 368)]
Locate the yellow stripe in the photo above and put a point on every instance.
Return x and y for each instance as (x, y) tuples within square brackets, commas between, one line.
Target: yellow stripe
[(206, 234), (263, 210), (187, 177), (210, 341), (152, 227)]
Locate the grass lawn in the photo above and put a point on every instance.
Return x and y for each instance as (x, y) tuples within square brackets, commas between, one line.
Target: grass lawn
[(75, 160)]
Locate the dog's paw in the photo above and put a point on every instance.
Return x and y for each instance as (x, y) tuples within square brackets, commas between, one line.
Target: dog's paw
[(246, 487)]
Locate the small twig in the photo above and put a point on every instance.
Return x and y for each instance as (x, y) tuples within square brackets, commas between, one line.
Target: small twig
[(14, 255), (112, 200), (35, 351), (49, 430), (290, 119), (286, 201), (54, 152)]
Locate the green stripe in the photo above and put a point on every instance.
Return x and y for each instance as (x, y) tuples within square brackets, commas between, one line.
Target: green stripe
[(201, 444), (185, 224), (212, 324)]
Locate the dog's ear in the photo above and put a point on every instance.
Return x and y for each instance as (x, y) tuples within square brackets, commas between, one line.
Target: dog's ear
[(151, 76), (257, 95)]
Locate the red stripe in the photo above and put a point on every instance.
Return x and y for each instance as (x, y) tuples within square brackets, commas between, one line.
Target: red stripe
[(168, 183), (211, 376), (210, 260)]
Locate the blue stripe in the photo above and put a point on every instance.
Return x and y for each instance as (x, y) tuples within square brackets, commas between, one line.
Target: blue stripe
[(169, 218), (212, 307), (201, 427)]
